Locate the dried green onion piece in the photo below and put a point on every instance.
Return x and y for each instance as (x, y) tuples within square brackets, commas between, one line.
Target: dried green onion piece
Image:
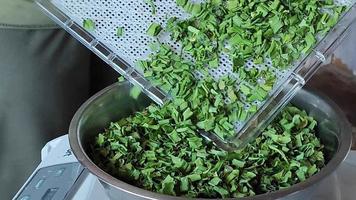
[(89, 24), (154, 29), (119, 31), (135, 92)]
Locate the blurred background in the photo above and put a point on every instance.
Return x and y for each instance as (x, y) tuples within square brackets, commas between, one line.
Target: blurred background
[(337, 78)]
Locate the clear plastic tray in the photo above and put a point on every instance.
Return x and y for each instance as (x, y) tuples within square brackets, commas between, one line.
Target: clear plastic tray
[(69, 14)]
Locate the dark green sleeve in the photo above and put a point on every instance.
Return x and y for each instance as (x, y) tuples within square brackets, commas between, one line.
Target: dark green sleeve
[(23, 14)]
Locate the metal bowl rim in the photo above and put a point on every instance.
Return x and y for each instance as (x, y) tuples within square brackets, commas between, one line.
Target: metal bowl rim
[(345, 142)]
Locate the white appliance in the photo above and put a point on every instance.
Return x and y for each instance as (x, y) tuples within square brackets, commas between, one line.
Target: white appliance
[(59, 176)]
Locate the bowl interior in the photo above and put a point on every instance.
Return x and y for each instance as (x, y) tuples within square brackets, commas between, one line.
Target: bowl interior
[(114, 103)]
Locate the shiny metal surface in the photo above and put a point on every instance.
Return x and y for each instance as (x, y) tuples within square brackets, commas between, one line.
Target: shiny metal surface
[(114, 102)]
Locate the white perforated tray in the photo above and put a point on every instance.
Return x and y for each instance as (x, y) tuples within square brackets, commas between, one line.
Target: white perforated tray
[(135, 17)]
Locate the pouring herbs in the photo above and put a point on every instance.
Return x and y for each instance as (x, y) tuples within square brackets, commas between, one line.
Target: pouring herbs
[(159, 149)]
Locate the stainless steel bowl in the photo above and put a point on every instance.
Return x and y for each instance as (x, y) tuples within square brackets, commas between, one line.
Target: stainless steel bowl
[(114, 102)]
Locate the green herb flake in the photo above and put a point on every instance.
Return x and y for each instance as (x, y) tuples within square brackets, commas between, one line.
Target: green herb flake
[(187, 114), (119, 31), (168, 185), (193, 30), (89, 24), (154, 29), (181, 2), (215, 181), (135, 91), (275, 23)]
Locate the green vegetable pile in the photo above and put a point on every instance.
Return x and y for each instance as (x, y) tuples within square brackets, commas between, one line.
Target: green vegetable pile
[(215, 105), (158, 150), (279, 31), (242, 29)]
